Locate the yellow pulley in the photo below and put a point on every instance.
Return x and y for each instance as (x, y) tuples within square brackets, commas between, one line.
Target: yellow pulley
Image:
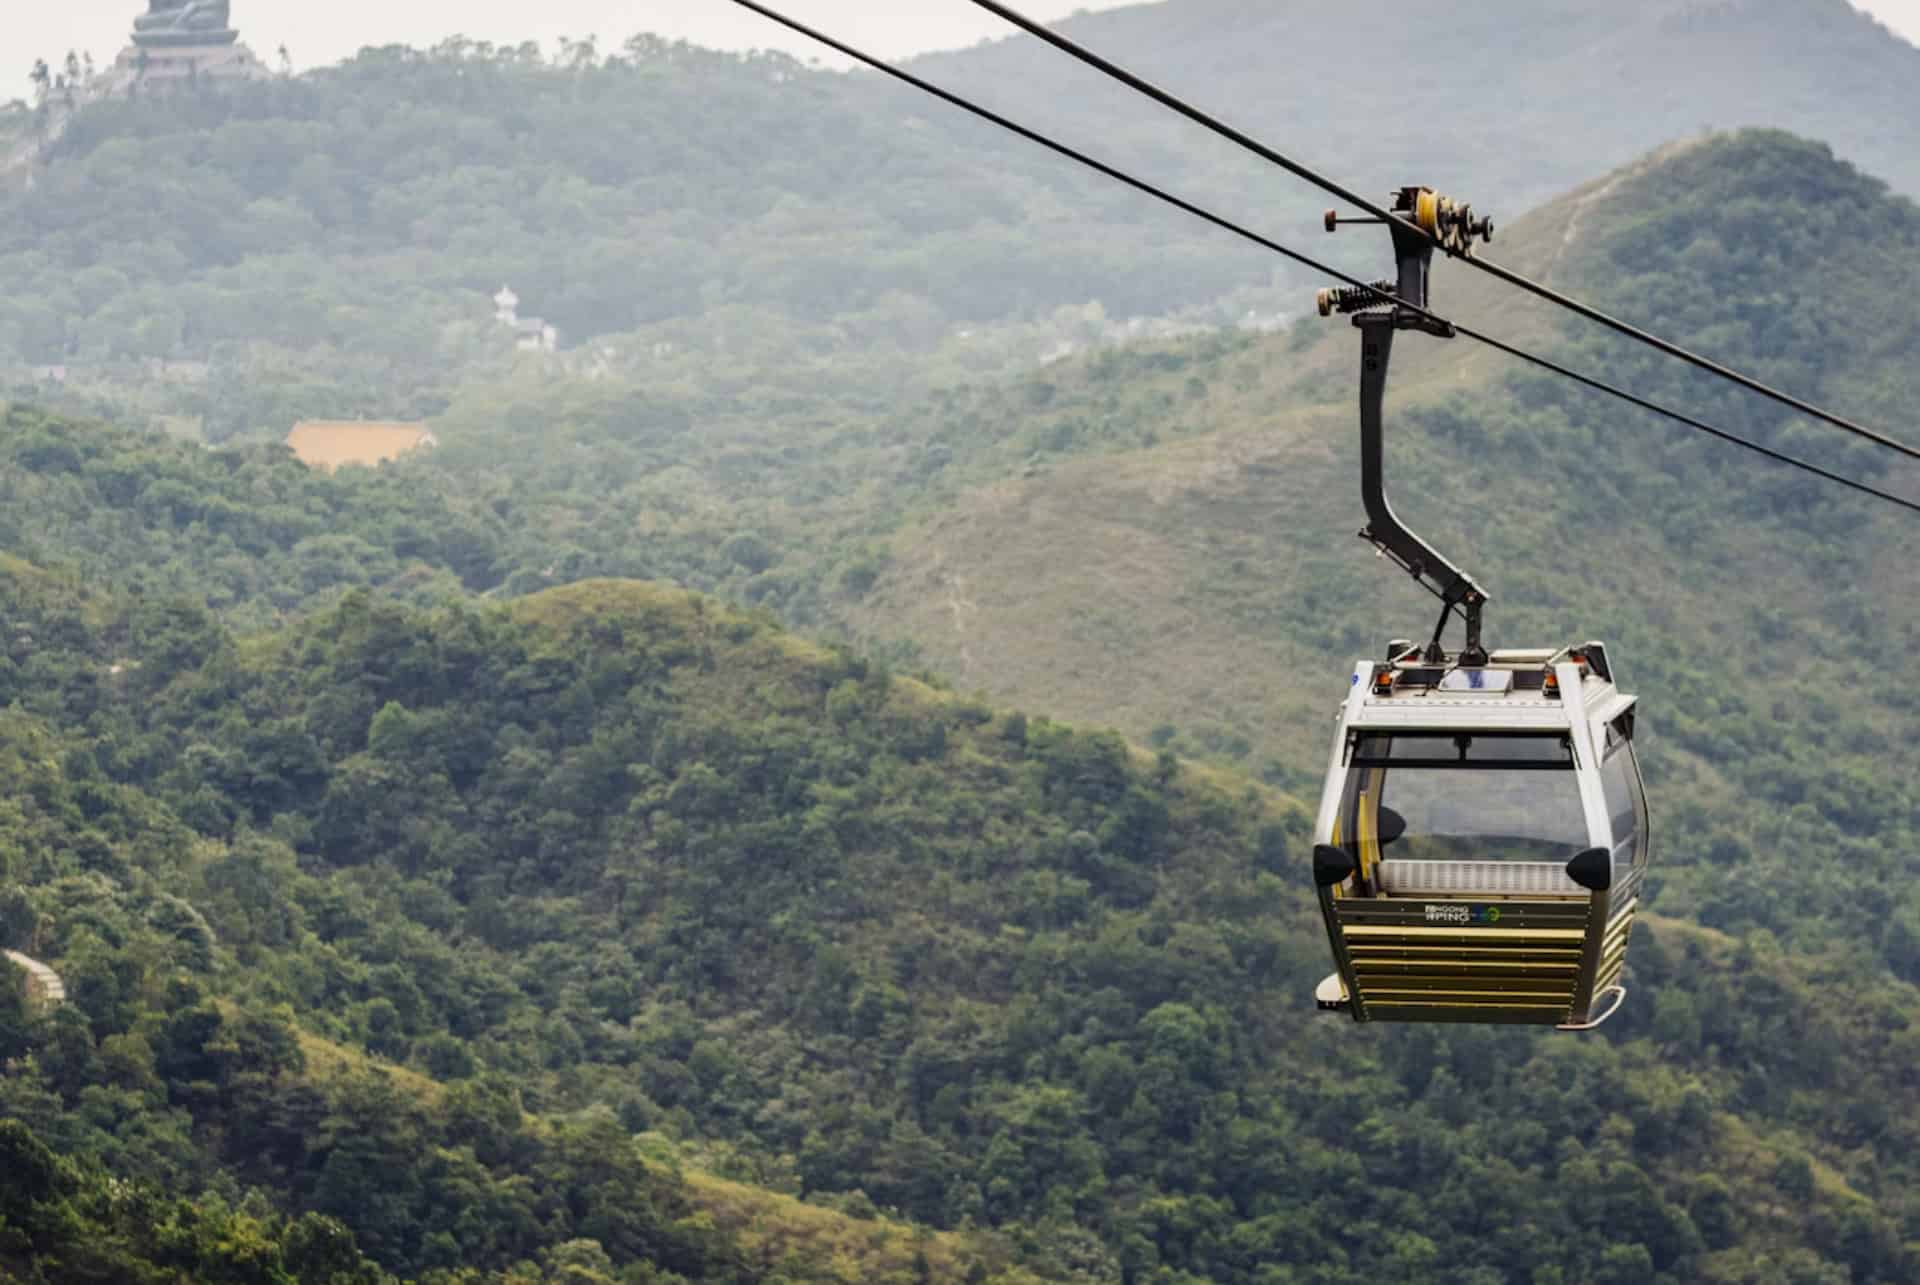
[(1426, 212)]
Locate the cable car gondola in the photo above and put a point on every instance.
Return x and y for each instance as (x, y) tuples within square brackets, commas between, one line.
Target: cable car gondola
[(1482, 835)]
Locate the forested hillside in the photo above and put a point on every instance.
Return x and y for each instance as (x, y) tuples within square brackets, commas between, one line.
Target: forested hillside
[(618, 879), (1126, 539), (249, 531)]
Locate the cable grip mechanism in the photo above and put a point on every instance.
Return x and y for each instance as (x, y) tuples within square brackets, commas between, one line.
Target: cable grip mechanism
[(1451, 224), (1448, 223)]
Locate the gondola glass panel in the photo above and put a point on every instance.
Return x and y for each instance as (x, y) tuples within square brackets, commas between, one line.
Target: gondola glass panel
[(1626, 803), (1460, 798)]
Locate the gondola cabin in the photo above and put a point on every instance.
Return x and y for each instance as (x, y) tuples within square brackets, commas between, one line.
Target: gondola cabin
[(1481, 840)]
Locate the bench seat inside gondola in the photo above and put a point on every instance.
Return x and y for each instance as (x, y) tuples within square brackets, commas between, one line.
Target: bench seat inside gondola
[(1531, 880)]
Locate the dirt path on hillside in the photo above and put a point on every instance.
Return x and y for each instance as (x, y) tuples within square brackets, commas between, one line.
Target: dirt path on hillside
[(961, 606), (1606, 190)]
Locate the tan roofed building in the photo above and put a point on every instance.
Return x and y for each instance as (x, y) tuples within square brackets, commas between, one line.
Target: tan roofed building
[(328, 444)]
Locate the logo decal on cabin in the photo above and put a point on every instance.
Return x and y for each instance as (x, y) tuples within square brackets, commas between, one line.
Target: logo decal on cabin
[(1453, 912)]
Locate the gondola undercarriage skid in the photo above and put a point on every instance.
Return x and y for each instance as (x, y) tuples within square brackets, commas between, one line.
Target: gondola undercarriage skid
[(1481, 840)]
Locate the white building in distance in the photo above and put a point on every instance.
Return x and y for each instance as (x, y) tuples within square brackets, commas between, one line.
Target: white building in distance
[(530, 334)]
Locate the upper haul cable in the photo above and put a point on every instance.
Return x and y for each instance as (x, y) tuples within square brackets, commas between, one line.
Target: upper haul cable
[(1140, 85), (1385, 296)]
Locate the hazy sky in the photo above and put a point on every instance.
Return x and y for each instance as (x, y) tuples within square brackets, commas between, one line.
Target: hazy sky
[(317, 33)]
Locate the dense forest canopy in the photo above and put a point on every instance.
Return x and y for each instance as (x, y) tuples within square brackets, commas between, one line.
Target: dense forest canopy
[(622, 861)]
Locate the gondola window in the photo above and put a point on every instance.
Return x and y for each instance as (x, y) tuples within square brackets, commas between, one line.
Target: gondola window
[(1463, 798)]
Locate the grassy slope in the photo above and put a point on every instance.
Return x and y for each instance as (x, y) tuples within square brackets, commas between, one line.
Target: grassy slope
[(1163, 585)]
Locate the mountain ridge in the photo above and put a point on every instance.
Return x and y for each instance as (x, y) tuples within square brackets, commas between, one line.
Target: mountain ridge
[(1704, 58)]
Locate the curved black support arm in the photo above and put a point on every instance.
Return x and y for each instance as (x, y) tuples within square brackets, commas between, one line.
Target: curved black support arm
[(1385, 531)]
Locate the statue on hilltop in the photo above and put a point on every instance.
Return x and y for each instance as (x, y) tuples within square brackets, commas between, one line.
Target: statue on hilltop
[(185, 22)]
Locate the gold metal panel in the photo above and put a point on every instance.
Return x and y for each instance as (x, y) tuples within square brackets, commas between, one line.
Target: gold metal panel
[(1546, 1015), (1463, 936), (1558, 999), (1463, 979), (1444, 949), (1488, 967)]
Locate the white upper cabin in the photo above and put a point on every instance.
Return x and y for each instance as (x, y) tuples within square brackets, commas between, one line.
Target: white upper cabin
[(1449, 729), (1536, 690)]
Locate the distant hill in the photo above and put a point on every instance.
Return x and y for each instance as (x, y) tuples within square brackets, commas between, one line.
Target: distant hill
[(1503, 103), (329, 244), (250, 532)]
